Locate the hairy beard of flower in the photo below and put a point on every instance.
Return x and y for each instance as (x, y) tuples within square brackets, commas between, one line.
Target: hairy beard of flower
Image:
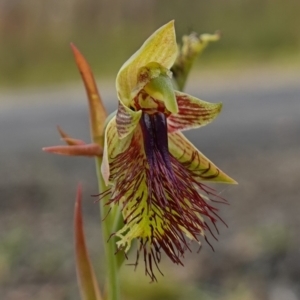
[(164, 205)]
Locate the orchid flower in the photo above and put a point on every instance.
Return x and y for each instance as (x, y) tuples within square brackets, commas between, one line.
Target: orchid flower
[(155, 174)]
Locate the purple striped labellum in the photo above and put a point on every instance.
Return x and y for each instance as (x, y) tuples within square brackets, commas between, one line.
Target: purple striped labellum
[(155, 174)]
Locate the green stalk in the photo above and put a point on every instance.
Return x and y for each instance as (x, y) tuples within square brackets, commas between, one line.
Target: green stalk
[(98, 116), (113, 283)]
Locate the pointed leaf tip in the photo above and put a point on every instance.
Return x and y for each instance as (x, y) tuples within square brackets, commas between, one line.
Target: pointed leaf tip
[(69, 140), (97, 110), (73, 142), (76, 150), (85, 274)]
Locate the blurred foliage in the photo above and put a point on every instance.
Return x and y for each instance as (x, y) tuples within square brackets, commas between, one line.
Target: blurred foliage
[(34, 35)]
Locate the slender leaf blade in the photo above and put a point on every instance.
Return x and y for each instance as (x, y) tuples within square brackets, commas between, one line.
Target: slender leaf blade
[(85, 274)]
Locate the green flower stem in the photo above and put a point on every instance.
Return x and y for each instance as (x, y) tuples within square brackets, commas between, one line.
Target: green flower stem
[(113, 284), (192, 47)]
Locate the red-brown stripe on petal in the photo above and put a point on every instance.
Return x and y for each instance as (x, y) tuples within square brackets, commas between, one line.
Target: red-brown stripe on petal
[(126, 120), (192, 113), (194, 160)]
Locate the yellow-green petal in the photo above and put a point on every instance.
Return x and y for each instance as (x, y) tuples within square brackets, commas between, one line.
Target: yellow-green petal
[(126, 120), (195, 161), (192, 113), (160, 47), (140, 224), (113, 145)]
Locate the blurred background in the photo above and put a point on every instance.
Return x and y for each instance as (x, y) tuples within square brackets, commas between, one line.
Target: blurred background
[(253, 70)]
